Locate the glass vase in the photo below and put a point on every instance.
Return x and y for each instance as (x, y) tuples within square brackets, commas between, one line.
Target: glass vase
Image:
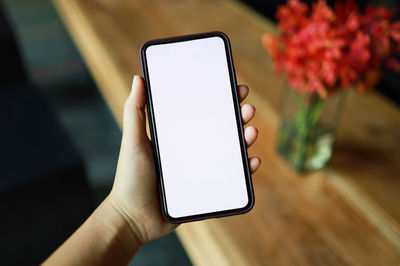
[(307, 128)]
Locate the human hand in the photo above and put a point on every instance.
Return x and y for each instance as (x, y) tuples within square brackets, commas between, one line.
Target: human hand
[(134, 194)]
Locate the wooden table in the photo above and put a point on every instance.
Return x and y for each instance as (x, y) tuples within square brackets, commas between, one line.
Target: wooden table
[(348, 213)]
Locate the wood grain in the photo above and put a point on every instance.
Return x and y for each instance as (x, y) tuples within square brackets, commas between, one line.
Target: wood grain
[(347, 214)]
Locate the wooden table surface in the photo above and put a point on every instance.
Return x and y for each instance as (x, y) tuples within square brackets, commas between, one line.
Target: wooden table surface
[(347, 214)]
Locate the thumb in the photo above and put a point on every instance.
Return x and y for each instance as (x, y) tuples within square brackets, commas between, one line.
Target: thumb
[(134, 120)]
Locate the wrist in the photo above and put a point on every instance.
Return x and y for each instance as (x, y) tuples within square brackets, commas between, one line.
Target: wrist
[(120, 225), (104, 239)]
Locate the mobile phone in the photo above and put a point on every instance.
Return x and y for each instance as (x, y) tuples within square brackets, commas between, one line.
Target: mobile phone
[(196, 127)]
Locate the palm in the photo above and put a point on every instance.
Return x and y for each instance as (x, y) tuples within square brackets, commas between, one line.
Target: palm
[(139, 193)]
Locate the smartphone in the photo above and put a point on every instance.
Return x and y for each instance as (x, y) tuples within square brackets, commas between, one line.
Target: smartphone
[(196, 127)]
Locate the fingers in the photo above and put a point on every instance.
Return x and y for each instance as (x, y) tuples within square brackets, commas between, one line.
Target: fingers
[(248, 111), (136, 98), (250, 135), (134, 121), (243, 91), (254, 163)]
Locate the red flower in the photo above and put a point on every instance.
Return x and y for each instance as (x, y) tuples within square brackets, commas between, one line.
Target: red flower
[(359, 51), (344, 10), (292, 15), (323, 49), (394, 31)]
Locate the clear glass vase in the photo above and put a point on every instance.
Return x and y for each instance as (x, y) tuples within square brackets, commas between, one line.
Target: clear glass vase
[(307, 129)]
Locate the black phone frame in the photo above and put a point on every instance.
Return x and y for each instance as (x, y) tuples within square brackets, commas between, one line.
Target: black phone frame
[(153, 129)]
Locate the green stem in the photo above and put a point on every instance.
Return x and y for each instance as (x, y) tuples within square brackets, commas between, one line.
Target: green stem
[(306, 120)]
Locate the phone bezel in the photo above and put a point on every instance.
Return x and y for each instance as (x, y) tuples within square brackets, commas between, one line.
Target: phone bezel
[(153, 129)]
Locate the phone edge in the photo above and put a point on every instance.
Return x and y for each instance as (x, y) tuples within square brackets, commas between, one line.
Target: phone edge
[(156, 155)]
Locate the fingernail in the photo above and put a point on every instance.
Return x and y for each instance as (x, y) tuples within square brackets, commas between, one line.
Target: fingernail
[(135, 82)]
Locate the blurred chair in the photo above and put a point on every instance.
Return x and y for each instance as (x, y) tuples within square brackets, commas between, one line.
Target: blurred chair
[(44, 194)]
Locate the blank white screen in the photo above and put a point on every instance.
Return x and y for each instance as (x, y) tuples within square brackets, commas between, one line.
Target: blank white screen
[(196, 127)]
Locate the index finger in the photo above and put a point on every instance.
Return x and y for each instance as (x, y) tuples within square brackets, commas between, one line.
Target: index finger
[(243, 91)]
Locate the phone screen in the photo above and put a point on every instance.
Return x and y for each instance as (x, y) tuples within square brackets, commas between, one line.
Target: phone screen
[(200, 155)]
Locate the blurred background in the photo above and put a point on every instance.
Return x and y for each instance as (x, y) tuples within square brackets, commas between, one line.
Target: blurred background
[(59, 142)]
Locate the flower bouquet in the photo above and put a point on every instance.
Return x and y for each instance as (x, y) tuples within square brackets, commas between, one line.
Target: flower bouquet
[(323, 51)]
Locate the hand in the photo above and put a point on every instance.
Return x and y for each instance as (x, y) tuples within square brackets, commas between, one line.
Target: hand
[(134, 194)]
